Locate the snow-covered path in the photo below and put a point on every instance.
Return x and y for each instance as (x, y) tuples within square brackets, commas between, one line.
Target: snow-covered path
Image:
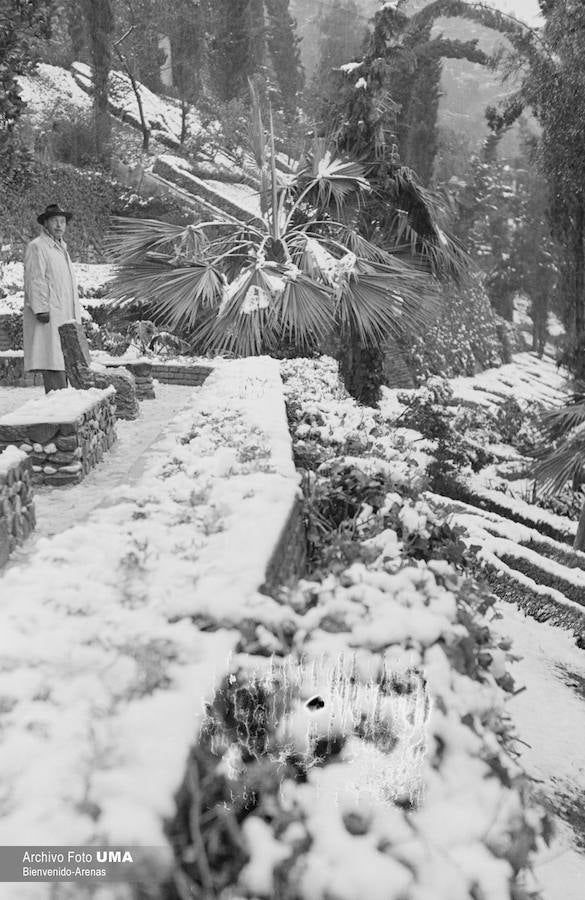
[(550, 717), (59, 508)]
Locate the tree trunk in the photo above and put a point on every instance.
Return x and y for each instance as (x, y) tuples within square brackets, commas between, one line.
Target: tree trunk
[(144, 126), (578, 249), (579, 543), (361, 369), (99, 17), (184, 113)]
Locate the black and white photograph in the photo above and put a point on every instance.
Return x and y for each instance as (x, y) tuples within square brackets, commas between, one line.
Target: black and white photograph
[(292, 450)]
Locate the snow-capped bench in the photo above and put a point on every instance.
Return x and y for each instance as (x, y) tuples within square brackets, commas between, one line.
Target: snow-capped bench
[(64, 433)]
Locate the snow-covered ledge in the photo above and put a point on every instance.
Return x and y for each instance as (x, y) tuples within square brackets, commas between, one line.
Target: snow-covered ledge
[(103, 670)]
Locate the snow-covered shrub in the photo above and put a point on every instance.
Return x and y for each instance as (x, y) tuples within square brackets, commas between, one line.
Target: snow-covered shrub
[(520, 424), (428, 411)]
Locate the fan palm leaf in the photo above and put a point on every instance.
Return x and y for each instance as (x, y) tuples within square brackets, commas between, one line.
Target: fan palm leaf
[(326, 180), (132, 239), (303, 312), (559, 422), (176, 294), (376, 300), (563, 464)]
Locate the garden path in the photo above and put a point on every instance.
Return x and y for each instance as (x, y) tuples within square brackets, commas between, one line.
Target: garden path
[(58, 508), (550, 717)]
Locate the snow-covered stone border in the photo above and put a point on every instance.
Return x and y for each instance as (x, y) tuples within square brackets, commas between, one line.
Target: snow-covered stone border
[(17, 510)]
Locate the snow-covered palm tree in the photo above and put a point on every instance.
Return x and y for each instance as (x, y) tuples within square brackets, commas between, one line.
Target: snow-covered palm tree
[(296, 276)]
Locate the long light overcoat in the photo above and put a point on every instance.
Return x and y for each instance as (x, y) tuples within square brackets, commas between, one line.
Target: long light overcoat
[(49, 286)]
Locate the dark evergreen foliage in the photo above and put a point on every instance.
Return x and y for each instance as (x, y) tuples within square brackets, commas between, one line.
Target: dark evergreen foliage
[(22, 24), (99, 17), (283, 46), (236, 45)]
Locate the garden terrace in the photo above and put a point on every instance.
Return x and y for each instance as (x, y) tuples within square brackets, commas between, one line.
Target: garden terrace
[(64, 433), (543, 576), (179, 567), (17, 510), (471, 491)]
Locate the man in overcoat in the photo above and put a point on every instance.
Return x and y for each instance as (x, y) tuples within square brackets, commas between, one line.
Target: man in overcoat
[(50, 298)]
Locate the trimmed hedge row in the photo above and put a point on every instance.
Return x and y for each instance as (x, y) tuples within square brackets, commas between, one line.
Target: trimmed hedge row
[(456, 490), (540, 606)]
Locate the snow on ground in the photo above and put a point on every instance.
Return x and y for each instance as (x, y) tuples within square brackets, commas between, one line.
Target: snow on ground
[(102, 671), (61, 508), (527, 378), (51, 91), (550, 716), (241, 194), (163, 114)]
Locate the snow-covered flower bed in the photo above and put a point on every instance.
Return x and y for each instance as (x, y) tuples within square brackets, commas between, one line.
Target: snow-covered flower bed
[(374, 759), (103, 672)]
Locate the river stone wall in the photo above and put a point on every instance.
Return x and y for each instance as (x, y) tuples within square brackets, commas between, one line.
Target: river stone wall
[(142, 372), (17, 511), (12, 372), (64, 433)]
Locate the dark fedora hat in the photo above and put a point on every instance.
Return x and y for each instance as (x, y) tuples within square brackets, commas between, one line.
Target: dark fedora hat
[(51, 211)]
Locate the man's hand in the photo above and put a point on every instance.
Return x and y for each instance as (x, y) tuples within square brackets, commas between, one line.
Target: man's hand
[(43, 317)]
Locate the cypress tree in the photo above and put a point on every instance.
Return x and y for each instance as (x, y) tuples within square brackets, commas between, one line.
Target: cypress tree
[(235, 46), (99, 17), (283, 45)]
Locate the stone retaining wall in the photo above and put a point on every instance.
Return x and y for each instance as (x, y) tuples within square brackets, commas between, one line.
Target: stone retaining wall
[(12, 372), (142, 372), (4, 336), (193, 375), (64, 433), (17, 511), (289, 556)]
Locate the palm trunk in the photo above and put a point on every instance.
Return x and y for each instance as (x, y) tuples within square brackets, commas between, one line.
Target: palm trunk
[(361, 369)]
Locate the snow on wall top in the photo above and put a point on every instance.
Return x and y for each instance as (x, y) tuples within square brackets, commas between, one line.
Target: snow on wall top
[(57, 407)]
